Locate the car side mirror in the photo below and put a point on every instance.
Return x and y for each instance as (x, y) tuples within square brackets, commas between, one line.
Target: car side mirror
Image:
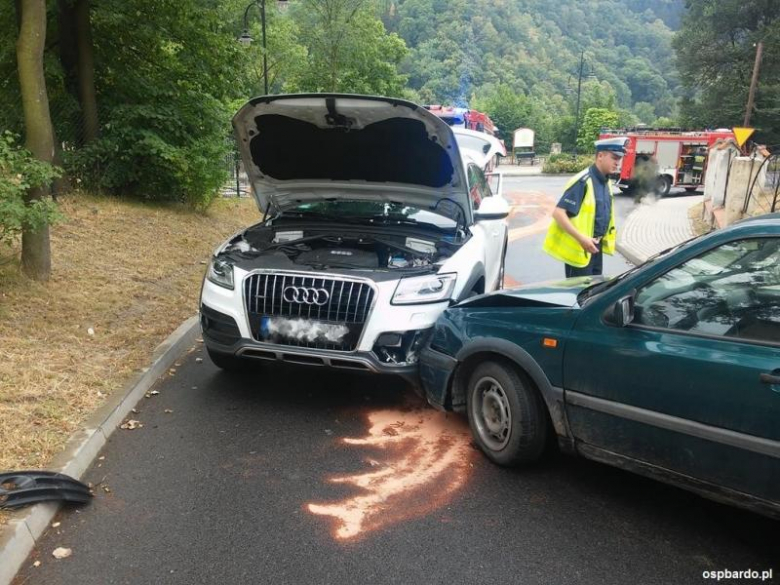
[(623, 311), (492, 208)]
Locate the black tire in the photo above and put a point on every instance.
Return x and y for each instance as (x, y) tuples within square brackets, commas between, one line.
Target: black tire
[(691, 189), (663, 185), (506, 415), (227, 362)]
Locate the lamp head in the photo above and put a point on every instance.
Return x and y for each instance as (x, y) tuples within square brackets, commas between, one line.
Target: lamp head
[(245, 38)]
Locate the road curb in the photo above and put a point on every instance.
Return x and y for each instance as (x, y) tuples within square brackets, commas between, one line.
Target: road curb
[(629, 254), (18, 537)]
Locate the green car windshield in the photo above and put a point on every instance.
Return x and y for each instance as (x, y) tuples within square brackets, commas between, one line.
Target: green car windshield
[(595, 289)]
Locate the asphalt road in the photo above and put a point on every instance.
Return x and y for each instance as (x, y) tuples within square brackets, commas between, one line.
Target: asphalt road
[(536, 196), (263, 477)]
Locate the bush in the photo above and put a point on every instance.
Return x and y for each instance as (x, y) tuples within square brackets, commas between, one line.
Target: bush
[(566, 163), (157, 153), (20, 172)]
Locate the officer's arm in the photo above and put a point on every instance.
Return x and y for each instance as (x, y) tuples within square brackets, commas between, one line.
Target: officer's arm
[(588, 244)]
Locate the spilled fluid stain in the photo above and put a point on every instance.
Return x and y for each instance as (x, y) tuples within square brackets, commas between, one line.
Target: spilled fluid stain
[(425, 459)]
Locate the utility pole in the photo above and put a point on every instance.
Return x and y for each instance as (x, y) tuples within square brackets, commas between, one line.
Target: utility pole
[(577, 113), (753, 84)]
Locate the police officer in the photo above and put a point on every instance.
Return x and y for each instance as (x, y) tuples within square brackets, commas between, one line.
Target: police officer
[(584, 225)]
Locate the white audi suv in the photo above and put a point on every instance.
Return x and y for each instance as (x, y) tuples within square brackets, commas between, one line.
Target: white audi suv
[(372, 227)]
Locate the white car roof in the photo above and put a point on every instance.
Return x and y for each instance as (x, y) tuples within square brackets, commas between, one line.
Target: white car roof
[(481, 146)]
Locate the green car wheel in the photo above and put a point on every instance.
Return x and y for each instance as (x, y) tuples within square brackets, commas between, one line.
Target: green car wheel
[(506, 415)]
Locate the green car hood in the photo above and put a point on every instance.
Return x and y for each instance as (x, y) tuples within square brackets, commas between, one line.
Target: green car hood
[(558, 293)]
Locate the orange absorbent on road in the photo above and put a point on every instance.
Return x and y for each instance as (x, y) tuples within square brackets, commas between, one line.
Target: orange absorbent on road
[(425, 459)]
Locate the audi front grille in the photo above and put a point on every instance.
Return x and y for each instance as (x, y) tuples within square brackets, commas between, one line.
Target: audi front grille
[(305, 304)]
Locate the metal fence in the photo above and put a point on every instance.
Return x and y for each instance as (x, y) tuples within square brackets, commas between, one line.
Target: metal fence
[(762, 191), (237, 184)]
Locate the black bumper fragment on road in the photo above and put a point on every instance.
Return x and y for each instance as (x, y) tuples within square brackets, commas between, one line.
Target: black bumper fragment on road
[(21, 488)]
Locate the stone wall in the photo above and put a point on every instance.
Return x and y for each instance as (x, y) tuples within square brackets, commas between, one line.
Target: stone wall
[(730, 181)]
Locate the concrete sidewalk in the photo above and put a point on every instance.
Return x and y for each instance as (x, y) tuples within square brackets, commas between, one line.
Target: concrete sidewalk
[(655, 226), (518, 170)]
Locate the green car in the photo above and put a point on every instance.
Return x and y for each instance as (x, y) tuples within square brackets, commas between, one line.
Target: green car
[(671, 370)]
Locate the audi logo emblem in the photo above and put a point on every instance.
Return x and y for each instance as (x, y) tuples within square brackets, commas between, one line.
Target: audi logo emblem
[(306, 295)]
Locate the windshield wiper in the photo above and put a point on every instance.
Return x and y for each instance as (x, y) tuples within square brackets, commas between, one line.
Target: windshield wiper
[(319, 215), (599, 287), (394, 219)]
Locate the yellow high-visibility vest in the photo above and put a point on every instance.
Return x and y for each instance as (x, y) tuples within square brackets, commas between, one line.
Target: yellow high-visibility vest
[(561, 246)]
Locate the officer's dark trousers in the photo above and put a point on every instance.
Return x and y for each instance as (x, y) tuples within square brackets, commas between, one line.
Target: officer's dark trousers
[(594, 267)]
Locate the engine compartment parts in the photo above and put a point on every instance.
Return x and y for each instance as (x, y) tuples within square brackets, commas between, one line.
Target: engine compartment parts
[(338, 258), (423, 246), (21, 488), (281, 237), (321, 250)]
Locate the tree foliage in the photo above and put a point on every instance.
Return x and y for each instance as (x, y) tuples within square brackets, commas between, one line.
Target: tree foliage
[(169, 74), (592, 123), (715, 54), (508, 110), (19, 173), (164, 84), (462, 51), (348, 50), (533, 46)]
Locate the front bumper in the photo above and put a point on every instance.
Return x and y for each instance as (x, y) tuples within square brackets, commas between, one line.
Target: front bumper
[(357, 361), (384, 317), (436, 370)]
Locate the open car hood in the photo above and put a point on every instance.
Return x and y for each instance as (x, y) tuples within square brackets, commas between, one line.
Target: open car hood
[(298, 148)]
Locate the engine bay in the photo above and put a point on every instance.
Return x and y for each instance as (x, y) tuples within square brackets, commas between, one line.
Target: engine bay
[(318, 248)]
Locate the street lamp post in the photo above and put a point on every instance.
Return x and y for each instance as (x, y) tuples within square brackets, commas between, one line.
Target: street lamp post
[(246, 38), (579, 90), (577, 111)]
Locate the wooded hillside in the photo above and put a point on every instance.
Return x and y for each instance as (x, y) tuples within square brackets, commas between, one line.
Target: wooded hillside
[(459, 48)]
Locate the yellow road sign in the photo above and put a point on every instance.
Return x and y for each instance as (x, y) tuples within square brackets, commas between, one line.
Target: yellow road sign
[(742, 134)]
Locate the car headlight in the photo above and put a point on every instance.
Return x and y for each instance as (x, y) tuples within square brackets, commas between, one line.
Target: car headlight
[(221, 272), (424, 289)]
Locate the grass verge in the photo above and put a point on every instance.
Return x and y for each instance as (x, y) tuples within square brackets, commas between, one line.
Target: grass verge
[(124, 276)]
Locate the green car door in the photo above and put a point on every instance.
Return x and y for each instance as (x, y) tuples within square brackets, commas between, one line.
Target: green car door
[(692, 383)]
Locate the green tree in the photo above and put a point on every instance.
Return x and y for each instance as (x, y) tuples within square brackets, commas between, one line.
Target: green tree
[(645, 113), (715, 52), (19, 173), (459, 47), (509, 110), (166, 83), (349, 50), (592, 122)]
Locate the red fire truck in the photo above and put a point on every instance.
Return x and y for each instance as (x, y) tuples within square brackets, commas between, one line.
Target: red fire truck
[(666, 157), (464, 118)]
